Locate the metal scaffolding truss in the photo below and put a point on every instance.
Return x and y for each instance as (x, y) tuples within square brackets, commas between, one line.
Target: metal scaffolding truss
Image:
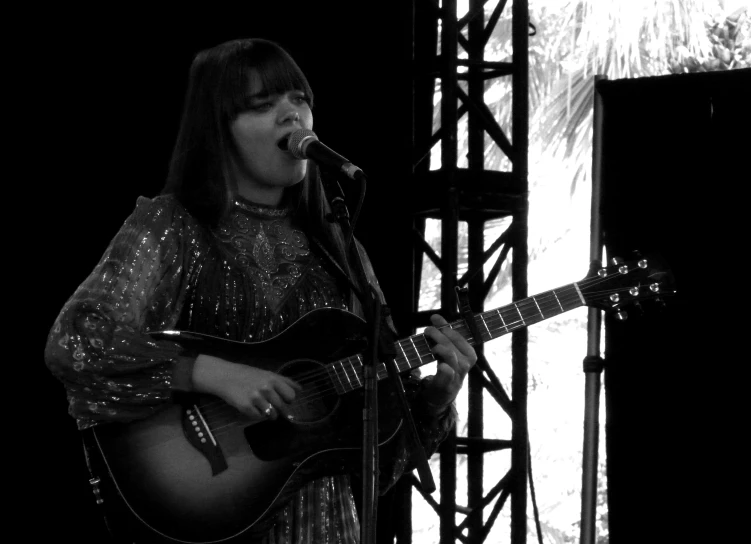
[(449, 57)]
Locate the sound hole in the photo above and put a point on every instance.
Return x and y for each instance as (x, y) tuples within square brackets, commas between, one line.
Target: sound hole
[(318, 397)]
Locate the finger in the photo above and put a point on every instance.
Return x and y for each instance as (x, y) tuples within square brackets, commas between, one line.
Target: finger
[(437, 320), (447, 354), (450, 355), (260, 409), (279, 408), (285, 391), (459, 364), (433, 332), (292, 383), (454, 336), (442, 333), (444, 377), (443, 387), (262, 401)]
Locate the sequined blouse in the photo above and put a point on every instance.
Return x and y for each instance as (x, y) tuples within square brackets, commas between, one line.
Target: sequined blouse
[(246, 280)]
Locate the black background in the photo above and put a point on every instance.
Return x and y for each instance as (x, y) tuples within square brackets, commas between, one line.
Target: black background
[(98, 95)]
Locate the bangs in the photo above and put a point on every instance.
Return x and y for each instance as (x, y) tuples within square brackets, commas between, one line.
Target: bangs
[(272, 67)]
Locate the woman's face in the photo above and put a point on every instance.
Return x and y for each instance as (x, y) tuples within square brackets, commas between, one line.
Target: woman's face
[(261, 169)]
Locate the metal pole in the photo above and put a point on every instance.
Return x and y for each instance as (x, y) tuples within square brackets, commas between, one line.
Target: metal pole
[(593, 364)]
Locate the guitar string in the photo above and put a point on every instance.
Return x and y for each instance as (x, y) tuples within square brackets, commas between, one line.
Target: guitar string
[(540, 301), (231, 424), (317, 393), (345, 375), (320, 375)]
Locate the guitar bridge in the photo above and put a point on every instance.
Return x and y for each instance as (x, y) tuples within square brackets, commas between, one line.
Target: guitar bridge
[(199, 435)]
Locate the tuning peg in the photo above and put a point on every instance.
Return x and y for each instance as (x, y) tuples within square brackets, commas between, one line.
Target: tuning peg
[(620, 315), (617, 261), (642, 263)]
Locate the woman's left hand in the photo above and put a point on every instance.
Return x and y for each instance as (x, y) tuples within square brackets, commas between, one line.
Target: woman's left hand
[(455, 357)]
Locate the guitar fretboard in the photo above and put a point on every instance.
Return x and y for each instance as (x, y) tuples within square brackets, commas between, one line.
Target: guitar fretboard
[(413, 352)]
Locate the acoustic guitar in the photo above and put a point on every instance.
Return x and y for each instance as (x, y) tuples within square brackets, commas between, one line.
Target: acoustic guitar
[(198, 472)]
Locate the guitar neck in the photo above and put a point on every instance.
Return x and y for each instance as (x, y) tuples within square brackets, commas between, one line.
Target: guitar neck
[(414, 352)]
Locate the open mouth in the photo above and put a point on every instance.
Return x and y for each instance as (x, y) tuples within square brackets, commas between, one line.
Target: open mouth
[(283, 144)]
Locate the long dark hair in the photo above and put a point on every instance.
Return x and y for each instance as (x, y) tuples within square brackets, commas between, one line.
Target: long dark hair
[(217, 92)]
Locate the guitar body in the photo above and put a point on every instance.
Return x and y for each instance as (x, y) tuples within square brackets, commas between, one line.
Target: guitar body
[(179, 488)]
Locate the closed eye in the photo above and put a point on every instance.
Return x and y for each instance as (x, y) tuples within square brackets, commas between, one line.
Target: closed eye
[(301, 98), (264, 106), (263, 103)]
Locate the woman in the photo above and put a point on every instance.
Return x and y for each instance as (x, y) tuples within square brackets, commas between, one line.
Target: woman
[(237, 246)]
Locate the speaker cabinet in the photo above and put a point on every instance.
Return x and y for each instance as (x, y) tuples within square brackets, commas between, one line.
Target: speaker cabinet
[(675, 168)]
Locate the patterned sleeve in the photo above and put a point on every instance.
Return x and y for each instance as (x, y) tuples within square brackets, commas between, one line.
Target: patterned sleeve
[(99, 346)]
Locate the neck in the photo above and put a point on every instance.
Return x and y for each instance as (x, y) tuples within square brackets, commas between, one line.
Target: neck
[(416, 351), (271, 196)]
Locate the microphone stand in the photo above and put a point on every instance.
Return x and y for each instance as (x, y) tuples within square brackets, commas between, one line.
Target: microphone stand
[(374, 313), (594, 364)]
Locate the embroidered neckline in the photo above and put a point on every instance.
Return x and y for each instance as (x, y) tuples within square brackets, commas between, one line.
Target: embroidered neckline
[(261, 210)]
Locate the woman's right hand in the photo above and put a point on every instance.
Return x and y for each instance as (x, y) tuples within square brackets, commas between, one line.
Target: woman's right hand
[(258, 394)]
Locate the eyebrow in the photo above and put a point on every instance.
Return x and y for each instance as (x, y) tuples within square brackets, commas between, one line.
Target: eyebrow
[(265, 94)]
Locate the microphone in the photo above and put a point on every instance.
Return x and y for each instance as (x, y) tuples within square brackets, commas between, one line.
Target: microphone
[(304, 144)]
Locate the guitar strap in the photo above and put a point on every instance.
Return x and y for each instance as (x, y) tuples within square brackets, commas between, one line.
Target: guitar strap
[(110, 504)]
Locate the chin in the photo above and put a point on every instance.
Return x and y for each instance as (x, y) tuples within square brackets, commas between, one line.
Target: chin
[(298, 177)]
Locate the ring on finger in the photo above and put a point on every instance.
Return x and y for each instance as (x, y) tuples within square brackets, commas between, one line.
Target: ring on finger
[(268, 410)]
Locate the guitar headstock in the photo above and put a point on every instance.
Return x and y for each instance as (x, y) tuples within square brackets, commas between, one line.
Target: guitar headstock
[(627, 283)]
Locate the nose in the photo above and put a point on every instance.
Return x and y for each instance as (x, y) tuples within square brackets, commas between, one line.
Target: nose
[(290, 116)]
